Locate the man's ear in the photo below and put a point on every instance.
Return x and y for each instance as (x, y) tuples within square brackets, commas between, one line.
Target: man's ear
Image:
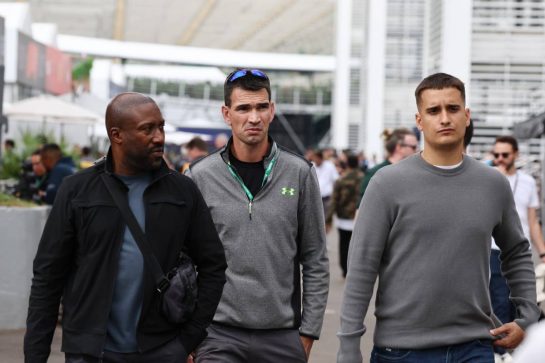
[(418, 120), (225, 111), (115, 135), (273, 111)]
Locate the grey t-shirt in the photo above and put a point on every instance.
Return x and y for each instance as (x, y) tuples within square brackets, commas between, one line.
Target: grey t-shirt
[(127, 299)]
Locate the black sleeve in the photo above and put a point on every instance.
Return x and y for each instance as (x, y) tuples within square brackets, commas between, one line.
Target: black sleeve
[(206, 251), (51, 267)]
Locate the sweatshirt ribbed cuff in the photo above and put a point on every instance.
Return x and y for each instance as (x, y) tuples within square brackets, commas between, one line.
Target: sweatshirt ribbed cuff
[(349, 350)]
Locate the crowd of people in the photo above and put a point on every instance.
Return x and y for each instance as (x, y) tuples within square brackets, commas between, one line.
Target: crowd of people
[(253, 217)]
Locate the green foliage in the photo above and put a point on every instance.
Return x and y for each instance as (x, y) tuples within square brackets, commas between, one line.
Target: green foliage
[(10, 201), (11, 165), (82, 70), (30, 140)]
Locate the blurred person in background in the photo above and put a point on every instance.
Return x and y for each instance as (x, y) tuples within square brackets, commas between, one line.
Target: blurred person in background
[(32, 182), (327, 174), (363, 162), (58, 167), (524, 190), (9, 146), (329, 153), (195, 149), (86, 158), (220, 140), (344, 203), (399, 144)]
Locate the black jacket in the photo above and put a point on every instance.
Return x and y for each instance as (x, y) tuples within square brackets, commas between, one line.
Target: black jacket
[(78, 257)]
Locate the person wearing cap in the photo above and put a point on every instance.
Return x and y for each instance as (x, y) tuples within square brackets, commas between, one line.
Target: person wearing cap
[(266, 205)]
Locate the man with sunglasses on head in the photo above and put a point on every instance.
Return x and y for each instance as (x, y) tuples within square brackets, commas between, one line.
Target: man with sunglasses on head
[(266, 205), (524, 190), (423, 230)]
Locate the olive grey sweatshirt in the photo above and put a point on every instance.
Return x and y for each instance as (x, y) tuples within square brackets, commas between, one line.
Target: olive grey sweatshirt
[(268, 242), (425, 232)]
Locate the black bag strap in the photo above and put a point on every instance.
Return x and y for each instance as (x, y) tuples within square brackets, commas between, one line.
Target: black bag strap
[(161, 281)]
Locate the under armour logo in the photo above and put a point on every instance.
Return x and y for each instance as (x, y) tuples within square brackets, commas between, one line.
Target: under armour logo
[(288, 191)]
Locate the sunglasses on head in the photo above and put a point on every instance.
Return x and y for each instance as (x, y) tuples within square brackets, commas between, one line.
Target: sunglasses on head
[(243, 72), (503, 155)]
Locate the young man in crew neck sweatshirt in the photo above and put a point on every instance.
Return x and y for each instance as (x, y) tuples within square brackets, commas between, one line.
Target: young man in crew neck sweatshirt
[(424, 228)]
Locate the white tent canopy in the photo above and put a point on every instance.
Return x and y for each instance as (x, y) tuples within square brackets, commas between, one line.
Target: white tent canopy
[(46, 108), (88, 101)]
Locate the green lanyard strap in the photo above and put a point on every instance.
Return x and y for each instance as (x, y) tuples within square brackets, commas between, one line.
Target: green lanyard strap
[(245, 188)]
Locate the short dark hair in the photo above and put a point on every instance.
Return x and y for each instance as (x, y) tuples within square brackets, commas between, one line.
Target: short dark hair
[(52, 150), (508, 140), (352, 161), (197, 143), (10, 143), (394, 137), (248, 82), (469, 133), (439, 81)]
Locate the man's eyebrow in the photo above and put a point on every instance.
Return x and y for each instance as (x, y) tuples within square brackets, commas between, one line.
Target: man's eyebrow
[(145, 123), (242, 105)]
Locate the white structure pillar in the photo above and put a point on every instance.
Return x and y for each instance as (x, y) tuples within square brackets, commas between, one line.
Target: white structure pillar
[(452, 54), (99, 78), (456, 39), (376, 60), (341, 100)]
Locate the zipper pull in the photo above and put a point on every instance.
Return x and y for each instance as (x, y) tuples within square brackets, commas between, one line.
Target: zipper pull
[(250, 209)]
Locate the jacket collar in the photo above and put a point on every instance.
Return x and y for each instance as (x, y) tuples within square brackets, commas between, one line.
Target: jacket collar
[(273, 153)]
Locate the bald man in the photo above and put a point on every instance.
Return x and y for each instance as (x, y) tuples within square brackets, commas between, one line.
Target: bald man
[(88, 256)]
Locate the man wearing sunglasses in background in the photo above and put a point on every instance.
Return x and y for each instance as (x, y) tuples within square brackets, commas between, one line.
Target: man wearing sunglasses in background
[(524, 189), (266, 205)]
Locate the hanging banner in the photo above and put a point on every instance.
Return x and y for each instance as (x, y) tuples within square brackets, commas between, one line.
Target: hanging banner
[(30, 62), (58, 71)]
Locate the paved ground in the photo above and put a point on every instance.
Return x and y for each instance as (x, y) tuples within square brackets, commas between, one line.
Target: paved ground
[(324, 350)]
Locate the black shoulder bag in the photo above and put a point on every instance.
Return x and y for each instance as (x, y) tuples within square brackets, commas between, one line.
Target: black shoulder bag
[(178, 288)]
